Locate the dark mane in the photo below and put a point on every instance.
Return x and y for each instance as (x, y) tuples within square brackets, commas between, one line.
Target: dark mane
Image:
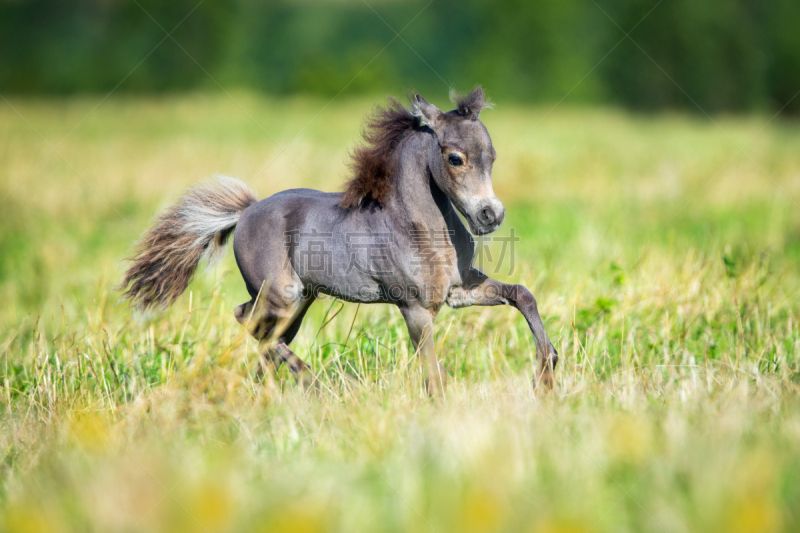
[(371, 162)]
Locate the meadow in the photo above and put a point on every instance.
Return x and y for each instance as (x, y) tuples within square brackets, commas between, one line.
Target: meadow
[(662, 249)]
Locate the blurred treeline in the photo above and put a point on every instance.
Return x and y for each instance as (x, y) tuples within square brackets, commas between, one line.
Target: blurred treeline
[(725, 54)]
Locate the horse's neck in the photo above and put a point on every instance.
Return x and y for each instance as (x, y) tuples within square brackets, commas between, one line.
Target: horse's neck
[(414, 194)]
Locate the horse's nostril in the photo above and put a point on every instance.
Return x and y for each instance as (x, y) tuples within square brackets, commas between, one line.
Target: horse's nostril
[(486, 216)]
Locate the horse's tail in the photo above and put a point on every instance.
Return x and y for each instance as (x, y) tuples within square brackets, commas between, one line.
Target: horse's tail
[(196, 226)]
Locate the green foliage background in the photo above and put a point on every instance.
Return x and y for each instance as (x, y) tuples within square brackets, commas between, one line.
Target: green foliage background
[(725, 54)]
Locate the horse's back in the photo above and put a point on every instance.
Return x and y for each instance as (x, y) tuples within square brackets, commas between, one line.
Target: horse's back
[(259, 242)]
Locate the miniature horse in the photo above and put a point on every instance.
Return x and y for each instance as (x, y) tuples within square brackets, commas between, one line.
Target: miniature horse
[(391, 237)]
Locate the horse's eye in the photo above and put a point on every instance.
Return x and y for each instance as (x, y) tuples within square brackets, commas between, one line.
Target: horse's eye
[(455, 160)]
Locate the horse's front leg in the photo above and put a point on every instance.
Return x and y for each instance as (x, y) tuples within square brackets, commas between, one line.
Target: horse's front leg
[(479, 289), (420, 328)]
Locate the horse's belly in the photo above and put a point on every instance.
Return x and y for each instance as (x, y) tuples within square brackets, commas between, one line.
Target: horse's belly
[(353, 292)]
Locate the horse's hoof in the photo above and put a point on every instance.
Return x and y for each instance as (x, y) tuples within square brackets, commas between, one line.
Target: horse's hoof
[(306, 379), (436, 384), (545, 380), (545, 375), (310, 385), (434, 390)]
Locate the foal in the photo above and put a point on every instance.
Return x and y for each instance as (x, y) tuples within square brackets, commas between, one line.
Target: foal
[(392, 237)]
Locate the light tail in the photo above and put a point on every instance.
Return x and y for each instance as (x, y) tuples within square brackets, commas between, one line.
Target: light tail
[(197, 226)]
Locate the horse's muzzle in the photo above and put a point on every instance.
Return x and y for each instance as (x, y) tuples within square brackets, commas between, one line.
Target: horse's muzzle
[(489, 218)]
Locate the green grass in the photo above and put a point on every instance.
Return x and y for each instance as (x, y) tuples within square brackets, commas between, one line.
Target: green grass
[(663, 255)]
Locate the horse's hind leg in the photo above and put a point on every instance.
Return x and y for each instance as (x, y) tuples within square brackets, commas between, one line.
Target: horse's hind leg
[(275, 327), (297, 366)]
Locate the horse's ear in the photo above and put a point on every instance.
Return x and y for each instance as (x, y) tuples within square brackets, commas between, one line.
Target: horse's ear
[(427, 113), (471, 105)]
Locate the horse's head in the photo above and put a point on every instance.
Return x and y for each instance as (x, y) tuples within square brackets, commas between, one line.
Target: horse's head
[(462, 167)]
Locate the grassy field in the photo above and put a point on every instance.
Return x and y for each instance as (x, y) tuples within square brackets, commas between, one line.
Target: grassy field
[(663, 251)]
